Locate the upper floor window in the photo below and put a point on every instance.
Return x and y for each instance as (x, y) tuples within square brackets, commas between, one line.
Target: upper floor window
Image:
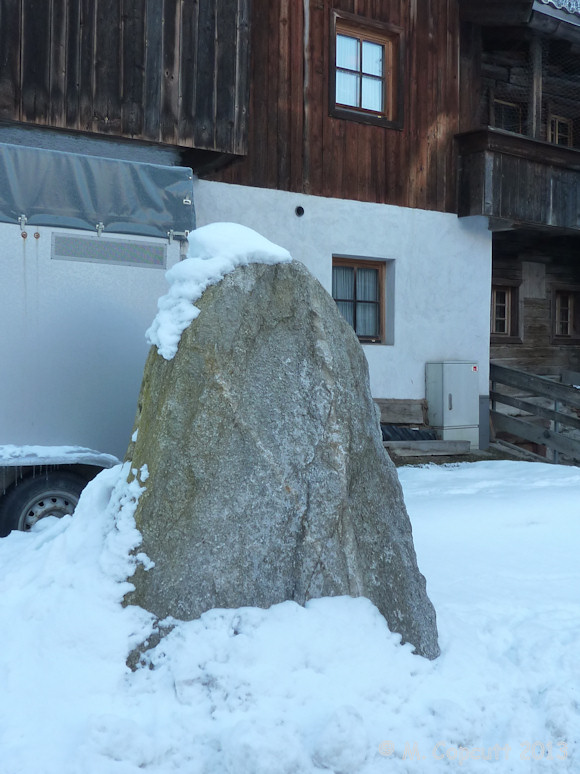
[(507, 115), (366, 68), (529, 84), (560, 130)]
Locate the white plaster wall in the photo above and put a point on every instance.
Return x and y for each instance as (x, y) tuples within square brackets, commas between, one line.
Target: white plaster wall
[(442, 271)]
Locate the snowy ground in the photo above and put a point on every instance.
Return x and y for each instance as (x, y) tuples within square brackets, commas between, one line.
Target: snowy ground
[(322, 689)]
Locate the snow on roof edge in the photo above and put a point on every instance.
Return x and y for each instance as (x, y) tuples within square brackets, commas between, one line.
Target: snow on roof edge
[(571, 6)]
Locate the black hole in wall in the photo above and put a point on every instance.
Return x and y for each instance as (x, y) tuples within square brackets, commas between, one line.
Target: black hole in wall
[(299, 211)]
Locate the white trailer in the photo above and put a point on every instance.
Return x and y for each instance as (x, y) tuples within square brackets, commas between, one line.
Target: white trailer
[(84, 244)]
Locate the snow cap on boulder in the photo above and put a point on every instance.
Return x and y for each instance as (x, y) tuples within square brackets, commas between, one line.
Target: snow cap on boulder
[(222, 247)]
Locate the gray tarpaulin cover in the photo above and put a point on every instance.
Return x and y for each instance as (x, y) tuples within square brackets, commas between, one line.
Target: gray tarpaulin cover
[(52, 188)]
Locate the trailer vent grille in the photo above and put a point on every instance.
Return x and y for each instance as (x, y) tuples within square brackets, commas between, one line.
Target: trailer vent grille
[(114, 251)]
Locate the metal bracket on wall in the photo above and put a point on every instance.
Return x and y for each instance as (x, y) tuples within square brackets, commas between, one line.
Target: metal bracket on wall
[(171, 235), (22, 220)]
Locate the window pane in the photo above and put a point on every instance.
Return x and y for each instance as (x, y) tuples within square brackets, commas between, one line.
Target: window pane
[(372, 94), (347, 53), (508, 117), (563, 320), (372, 58), (365, 71), (367, 285), (501, 311), (342, 282), (347, 89), (356, 288), (367, 319), (500, 325), (562, 133), (563, 314), (346, 308)]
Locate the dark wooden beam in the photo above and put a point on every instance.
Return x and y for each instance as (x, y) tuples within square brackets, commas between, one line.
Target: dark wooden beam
[(535, 117), (512, 377), (522, 429), (499, 141), (534, 409), (496, 12), (427, 448)]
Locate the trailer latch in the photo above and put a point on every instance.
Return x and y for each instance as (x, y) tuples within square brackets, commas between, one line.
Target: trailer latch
[(171, 235)]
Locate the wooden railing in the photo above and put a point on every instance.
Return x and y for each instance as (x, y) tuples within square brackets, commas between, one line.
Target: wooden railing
[(551, 409), (515, 179)]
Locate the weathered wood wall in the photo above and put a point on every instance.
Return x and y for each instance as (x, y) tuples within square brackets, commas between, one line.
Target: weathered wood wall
[(515, 179), (518, 65), (537, 272), (295, 145), (170, 71)]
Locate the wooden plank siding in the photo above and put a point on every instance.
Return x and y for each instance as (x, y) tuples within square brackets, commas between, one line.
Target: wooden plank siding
[(58, 59), (536, 265), (294, 144), (516, 180), (163, 71), (35, 60)]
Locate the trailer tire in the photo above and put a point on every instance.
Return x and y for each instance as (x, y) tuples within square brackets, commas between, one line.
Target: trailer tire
[(53, 494)]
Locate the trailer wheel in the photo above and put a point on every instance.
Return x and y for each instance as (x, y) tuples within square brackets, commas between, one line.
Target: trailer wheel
[(53, 494)]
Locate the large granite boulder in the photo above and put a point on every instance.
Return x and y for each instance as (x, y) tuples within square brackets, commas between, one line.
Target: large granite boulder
[(267, 478)]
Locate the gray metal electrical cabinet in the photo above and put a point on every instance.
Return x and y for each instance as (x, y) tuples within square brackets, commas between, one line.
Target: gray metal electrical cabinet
[(452, 393)]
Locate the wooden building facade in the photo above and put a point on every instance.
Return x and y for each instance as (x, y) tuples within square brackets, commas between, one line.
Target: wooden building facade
[(536, 281), (351, 165), (161, 71), (519, 165), (441, 107), (299, 142), (487, 123), (479, 113)]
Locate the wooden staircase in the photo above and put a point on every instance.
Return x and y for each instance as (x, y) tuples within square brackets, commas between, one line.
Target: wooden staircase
[(406, 433)]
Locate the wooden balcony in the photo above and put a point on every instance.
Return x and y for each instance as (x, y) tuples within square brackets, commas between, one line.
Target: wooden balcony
[(518, 182)]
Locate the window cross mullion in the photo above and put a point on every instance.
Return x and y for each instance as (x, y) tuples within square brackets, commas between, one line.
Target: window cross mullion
[(360, 74)]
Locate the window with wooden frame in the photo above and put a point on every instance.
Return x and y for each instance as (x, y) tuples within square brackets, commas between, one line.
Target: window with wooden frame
[(560, 130), (507, 115), (366, 70), (566, 315), (504, 311), (358, 287)]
